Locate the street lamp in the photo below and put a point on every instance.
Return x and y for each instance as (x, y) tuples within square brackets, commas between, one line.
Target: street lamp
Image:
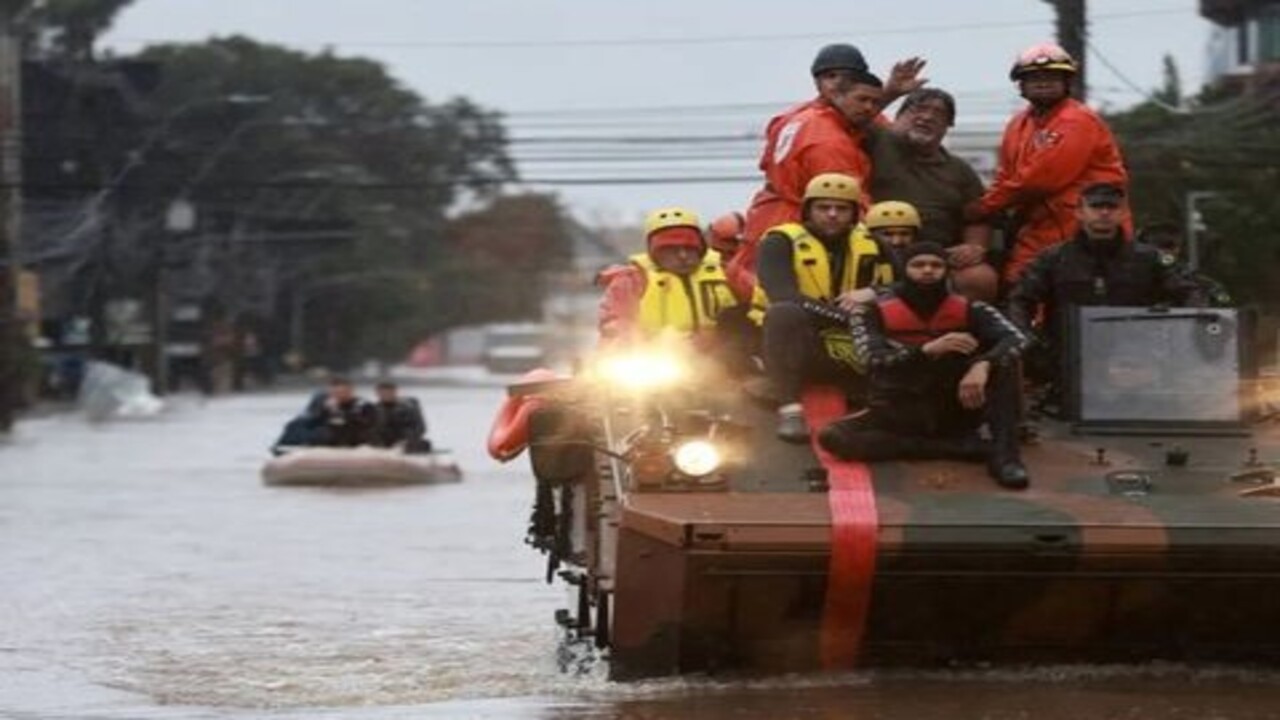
[(181, 217), (1195, 225)]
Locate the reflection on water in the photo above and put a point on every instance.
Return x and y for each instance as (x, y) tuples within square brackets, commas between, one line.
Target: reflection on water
[(149, 574)]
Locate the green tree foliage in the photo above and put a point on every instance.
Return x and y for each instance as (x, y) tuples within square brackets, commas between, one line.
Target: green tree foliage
[(337, 140), (69, 28), (502, 254), (1228, 144)]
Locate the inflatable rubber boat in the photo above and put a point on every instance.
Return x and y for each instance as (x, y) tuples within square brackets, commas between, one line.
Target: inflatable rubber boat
[(358, 467)]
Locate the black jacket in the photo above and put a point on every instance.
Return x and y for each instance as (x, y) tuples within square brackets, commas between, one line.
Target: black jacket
[(398, 422), (901, 372), (348, 424), (1075, 274)]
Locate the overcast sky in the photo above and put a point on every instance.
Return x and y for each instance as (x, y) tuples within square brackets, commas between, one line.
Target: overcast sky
[(690, 69)]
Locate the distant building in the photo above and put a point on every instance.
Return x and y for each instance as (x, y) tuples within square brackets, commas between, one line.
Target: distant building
[(1244, 46), (79, 122)]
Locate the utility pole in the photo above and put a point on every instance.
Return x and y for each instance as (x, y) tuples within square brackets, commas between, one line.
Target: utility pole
[(11, 339), (1072, 36)]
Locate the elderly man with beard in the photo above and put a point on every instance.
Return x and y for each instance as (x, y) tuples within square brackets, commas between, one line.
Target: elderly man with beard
[(1098, 266), (909, 164), (940, 365)]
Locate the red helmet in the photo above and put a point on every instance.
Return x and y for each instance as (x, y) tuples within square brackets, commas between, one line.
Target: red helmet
[(726, 232), (1043, 56)]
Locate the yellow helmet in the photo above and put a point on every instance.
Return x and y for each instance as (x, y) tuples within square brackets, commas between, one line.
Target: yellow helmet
[(670, 217), (833, 186), (892, 213)]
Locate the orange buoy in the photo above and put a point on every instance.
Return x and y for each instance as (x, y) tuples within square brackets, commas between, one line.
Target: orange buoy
[(509, 435)]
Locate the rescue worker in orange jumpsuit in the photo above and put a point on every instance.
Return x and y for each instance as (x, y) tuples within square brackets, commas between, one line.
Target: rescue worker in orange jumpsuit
[(812, 274), (819, 136), (725, 235), (1050, 151), (675, 287)]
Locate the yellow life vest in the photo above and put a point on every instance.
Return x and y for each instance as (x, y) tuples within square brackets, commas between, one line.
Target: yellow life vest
[(685, 303), (864, 267)]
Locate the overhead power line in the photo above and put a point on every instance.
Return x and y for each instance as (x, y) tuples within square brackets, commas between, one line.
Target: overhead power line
[(424, 185), (753, 137), (687, 40)]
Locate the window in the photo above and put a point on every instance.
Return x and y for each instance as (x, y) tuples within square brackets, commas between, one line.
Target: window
[(1268, 36), (1243, 44)]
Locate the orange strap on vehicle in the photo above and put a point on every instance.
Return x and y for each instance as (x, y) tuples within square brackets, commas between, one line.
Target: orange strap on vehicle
[(854, 529), (509, 435)]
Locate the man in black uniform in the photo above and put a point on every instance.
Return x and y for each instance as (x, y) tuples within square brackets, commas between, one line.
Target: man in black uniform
[(939, 366), (1099, 266), (398, 421)]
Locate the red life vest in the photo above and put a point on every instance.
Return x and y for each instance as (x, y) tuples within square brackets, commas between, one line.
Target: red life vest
[(902, 324)]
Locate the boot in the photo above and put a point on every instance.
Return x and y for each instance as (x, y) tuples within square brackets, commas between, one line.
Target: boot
[(792, 426), (1003, 407), (1009, 473)]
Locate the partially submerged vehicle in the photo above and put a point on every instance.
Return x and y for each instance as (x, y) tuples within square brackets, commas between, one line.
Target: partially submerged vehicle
[(359, 467), (695, 541)]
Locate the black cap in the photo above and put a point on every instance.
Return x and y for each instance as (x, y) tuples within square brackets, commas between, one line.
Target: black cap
[(924, 247), (840, 56), (1102, 193)]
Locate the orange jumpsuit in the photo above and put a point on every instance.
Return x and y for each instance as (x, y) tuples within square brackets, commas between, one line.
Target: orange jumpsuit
[(806, 140), (1045, 161), (623, 285), (742, 279)]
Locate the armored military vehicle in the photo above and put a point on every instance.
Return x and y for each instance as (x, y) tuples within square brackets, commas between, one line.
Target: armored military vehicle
[(694, 541)]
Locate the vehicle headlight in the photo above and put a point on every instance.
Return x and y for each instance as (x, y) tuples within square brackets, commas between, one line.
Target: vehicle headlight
[(642, 371), (697, 458)]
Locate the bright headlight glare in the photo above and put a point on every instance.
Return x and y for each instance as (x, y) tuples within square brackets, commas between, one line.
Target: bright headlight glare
[(641, 372), (696, 458)]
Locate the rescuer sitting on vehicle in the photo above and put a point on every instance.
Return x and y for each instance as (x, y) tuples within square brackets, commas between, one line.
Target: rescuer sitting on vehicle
[(895, 225), (1099, 266), (398, 422), (725, 235), (939, 365), (677, 287), (811, 274)]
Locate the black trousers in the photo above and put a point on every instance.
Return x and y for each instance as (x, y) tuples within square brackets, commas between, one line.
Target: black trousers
[(737, 340), (796, 352), (921, 427)]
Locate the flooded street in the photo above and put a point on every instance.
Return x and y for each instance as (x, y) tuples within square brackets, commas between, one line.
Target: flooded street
[(148, 573)]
